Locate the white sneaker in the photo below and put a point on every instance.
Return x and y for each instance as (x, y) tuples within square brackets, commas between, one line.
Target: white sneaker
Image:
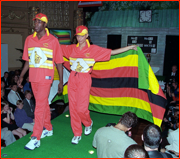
[(88, 129), (32, 144), (45, 133), (76, 139)]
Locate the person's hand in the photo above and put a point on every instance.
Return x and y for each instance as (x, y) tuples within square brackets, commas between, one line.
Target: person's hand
[(165, 120), (19, 82), (33, 120), (60, 87), (171, 125), (9, 111), (10, 108), (163, 150), (134, 47)]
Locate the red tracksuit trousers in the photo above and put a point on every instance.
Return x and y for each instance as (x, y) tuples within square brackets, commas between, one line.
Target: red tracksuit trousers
[(79, 85), (42, 109)]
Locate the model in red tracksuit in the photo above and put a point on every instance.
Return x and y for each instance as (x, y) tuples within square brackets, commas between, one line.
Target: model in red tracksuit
[(79, 83), (41, 51), (82, 58)]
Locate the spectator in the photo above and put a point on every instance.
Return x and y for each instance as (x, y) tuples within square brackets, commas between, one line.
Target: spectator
[(173, 142), (27, 85), (152, 139), (135, 151), (21, 118), (15, 79), (8, 136), (13, 95), (29, 105), (6, 120), (111, 142), (173, 75), (3, 97), (5, 79)]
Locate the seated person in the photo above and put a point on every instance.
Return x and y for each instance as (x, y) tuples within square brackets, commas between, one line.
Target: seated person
[(27, 85), (21, 118), (111, 142), (3, 97), (135, 151), (8, 136), (13, 95), (5, 79), (29, 105), (152, 139), (6, 120)]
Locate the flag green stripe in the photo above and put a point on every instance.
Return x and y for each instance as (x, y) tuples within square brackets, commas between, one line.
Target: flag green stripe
[(121, 110), (61, 97), (143, 70), (129, 52)]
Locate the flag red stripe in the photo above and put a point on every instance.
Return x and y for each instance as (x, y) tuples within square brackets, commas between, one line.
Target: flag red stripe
[(116, 72), (119, 92), (157, 111)]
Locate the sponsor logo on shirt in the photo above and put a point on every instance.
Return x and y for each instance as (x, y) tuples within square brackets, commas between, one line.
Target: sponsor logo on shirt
[(45, 44), (48, 77), (87, 54)]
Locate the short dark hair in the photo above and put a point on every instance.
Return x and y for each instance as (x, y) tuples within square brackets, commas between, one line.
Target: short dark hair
[(129, 119), (152, 136), (27, 91), (3, 104), (19, 102), (135, 151), (6, 72)]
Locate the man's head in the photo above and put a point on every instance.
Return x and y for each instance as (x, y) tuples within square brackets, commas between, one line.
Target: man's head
[(2, 84), (40, 22), (135, 151), (19, 104), (28, 94), (129, 119), (174, 68), (27, 79), (14, 87), (6, 74), (151, 136)]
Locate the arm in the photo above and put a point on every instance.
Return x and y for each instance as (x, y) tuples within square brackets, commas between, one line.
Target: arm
[(124, 49), (60, 72), (7, 119), (25, 68)]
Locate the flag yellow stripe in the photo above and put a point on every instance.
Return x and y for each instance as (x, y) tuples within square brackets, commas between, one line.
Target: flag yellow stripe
[(127, 61), (65, 90), (153, 82), (121, 101), (157, 121), (65, 59)]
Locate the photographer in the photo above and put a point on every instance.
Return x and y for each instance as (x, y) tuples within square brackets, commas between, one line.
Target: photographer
[(170, 120)]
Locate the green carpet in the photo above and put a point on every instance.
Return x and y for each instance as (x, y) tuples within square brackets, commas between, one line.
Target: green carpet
[(59, 145)]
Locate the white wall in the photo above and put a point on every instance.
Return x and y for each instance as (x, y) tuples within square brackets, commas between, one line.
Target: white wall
[(14, 41), (4, 59)]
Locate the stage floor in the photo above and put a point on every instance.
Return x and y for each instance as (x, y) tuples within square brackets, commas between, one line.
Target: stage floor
[(59, 145)]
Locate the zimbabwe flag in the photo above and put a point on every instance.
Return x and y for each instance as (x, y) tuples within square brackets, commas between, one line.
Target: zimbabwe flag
[(126, 83)]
